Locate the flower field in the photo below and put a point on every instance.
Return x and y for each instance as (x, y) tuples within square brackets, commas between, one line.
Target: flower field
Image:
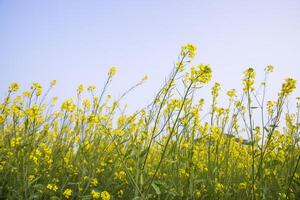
[(177, 147)]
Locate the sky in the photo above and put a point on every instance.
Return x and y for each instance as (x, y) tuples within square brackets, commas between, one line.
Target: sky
[(77, 42)]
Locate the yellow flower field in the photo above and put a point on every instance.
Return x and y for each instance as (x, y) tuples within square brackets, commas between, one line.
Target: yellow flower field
[(175, 148)]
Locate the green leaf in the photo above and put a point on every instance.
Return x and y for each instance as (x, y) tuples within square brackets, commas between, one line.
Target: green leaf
[(156, 188), (136, 198), (273, 126), (54, 198), (266, 129)]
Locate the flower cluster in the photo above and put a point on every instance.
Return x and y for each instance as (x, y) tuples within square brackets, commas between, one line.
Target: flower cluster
[(248, 81), (288, 87), (200, 74)]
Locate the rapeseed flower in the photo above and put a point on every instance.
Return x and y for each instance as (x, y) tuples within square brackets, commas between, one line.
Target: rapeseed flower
[(288, 87), (95, 194), (13, 87), (105, 195), (189, 50), (112, 71), (67, 193)]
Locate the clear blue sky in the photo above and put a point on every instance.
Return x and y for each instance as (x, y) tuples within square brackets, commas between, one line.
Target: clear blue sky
[(77, 41)]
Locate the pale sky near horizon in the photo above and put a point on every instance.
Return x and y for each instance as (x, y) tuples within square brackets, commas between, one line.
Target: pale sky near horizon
[(78, 41)]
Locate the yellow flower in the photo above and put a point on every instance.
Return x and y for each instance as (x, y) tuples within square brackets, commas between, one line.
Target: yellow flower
[(188, 50), (180, 66), (94, 182), (67, 193), (183, 173), (219, 187), (38, 88), (120, 193), (112, 71), (31, 177), (36, 85), (52, 187), (270, 106), (95, 194), (215, 89), (242, 186), (68, 105), (231, 93), (80, 89), (248, 81), (288, 87), (269, 68), (198, 194), (145, 78), (201, 73), (54, 99), (110, 161), (26, 94), (34, 159), (105, 195), (13, 87), (86, 103), (53, 83), (282, 195), (91, 88), (118, 132), (185, 144), (15, 141), (120, 175)]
